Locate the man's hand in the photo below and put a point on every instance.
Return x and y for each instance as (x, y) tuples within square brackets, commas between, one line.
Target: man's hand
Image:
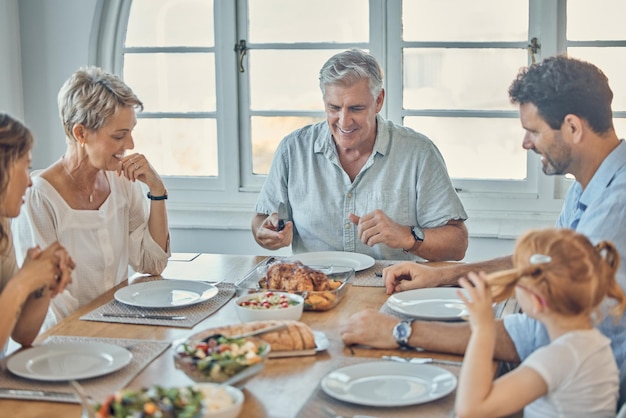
[(266, 233), (409, 275), (376, 227), (370, 327)]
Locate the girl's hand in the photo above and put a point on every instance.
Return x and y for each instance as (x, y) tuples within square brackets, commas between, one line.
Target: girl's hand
[(479, 303)]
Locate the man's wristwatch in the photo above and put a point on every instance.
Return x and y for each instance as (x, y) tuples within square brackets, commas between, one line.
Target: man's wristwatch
[(402, 333), (418, 235)]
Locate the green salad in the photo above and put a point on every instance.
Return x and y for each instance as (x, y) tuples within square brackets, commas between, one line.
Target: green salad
[(221, 357), (157, 402)]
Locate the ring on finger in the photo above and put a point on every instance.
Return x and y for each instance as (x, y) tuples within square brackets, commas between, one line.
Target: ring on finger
[(135, 165)]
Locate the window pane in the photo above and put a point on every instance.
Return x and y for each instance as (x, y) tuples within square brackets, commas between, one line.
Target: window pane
[(287, 80), (179, 147), (477, 148), (462, 20), (170, 23), (308, 21), (611, 61), (267, 132), (596, 20), (172, 82), (460, 78)]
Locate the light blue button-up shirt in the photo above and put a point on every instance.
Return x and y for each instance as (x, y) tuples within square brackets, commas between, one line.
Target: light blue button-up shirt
[(599, 212), (405, 176)]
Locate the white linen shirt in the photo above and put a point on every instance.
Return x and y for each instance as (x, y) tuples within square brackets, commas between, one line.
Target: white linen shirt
[(8, 269), (599, 213), (102, 242), (405, 176), (581, 375)]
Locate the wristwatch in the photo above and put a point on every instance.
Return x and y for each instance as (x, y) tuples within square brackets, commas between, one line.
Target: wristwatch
[(418, 233), (402, 333)]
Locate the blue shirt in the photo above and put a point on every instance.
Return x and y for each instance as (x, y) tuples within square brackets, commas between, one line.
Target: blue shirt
[(599, 212), (405, 176)]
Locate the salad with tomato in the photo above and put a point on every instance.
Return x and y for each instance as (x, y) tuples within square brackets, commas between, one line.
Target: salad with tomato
[(268, 300), (156, 401), (220, 357)]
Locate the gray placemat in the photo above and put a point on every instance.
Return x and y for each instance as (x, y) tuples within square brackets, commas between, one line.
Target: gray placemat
[(98, 388), (368, 276), (314, 406), (194, 313)]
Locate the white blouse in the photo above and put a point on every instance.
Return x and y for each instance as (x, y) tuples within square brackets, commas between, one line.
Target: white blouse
[(102, 242)]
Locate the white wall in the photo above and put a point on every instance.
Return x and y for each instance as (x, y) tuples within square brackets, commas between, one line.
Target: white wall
[(55, 37), (10, 61)]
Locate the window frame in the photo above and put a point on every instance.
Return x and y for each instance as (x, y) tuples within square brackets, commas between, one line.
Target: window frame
[(227, 201)]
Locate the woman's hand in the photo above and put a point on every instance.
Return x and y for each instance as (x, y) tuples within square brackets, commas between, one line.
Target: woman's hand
[(136, 167), (47, 269)]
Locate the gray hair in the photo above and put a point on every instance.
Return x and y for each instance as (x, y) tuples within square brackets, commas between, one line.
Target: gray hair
[(351, 66), (90, 97)]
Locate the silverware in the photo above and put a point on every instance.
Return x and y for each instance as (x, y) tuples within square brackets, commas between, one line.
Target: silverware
[(422, 360), (261, 331), (282, 216), (144, 316), (84, 400), (331, 413), (26, 393)]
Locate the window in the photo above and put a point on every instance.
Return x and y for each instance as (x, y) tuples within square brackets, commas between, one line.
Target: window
[(223, 82)]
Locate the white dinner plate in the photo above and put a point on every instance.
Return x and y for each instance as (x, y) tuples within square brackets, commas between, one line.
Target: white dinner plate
[(356, 261), (438, 303), (166, 293), (385, 383), (67, 361)]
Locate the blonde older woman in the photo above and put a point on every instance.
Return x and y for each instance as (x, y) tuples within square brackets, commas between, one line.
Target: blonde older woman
[(24, 293), (91, 199)]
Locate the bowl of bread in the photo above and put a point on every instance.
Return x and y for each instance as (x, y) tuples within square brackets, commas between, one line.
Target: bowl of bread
[(202, 400), (268, 305), (322, 288)]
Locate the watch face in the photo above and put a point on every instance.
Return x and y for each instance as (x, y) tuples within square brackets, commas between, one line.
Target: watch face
[(401, 332)]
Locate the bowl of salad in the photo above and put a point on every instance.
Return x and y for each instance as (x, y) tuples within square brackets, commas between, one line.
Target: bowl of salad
[(220, 359), (203, 400), (269, 305)]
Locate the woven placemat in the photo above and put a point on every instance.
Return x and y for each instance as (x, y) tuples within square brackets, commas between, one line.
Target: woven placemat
[(368, 278), (314, 406), (194, 313), (98, 388)]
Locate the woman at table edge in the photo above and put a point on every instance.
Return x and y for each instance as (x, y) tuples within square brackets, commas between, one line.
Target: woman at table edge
[(91, 199), (25, 293)]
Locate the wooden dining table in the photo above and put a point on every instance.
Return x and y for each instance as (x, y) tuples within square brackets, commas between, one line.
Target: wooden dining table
[(281, 389)]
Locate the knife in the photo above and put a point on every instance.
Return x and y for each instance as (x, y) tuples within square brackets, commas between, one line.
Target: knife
[(421, 360), (27, 394), (144, 316), (282, 216)]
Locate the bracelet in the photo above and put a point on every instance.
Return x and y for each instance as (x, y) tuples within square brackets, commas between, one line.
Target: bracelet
[(163, 197)]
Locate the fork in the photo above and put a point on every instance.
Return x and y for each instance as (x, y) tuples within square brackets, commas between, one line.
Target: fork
[(84, 400), (332, 414)]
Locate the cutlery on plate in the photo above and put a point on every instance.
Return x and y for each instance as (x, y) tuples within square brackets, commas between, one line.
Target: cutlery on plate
[(248, 334), (144, 316), (422, 360), (84, 400)]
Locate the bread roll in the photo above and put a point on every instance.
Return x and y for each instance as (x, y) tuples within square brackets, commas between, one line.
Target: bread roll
[(297, 336)]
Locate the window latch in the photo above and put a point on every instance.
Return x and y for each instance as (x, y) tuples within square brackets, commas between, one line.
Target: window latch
[(533, 48), (241, 48)]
